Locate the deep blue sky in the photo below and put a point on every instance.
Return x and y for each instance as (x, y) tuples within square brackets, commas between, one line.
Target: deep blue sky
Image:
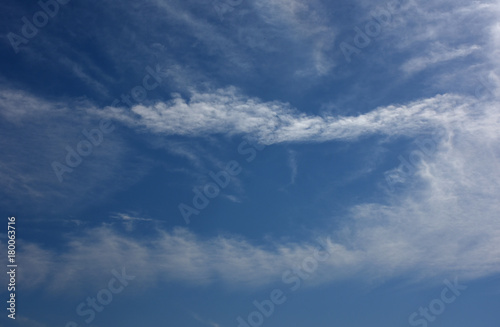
[(367, 131)]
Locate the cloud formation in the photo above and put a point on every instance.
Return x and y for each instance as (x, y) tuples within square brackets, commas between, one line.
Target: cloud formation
[(226, 111), (444, 222)]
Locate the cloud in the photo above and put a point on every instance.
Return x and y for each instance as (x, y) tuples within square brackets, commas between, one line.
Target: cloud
[(226, 111), (204, 321), (127, 217), (178, 255), (301, 22), (27, 322), (232, 198), (292, 163), (36, 132), (18, 105), (444, 222), (446, 216), (131, 221), (438, 55), (436, 34), (251, 29)]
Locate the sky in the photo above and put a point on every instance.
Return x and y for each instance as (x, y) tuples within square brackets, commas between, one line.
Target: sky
[(236, 163)]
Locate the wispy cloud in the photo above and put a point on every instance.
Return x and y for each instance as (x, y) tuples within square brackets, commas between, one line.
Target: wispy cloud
[(444, 222), (26, 173), (437, 55), (27, 322), (127, 217), (204, 321), (226, 111), (292, 163), (130, 221)]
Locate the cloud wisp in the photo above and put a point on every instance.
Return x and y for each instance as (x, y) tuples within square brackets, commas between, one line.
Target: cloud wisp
[(226, 111)]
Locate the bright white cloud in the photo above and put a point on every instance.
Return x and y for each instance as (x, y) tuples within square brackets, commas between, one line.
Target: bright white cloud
[(228, 112)]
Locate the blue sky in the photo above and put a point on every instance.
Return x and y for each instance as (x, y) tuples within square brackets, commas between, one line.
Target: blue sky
[(251, 163)]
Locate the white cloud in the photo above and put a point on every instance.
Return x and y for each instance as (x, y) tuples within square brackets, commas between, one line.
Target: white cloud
[(172, 256), (127, 217), (226, 111), (439, 54), (17, 105), (432, 33), (446, 221), (130, 221)]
